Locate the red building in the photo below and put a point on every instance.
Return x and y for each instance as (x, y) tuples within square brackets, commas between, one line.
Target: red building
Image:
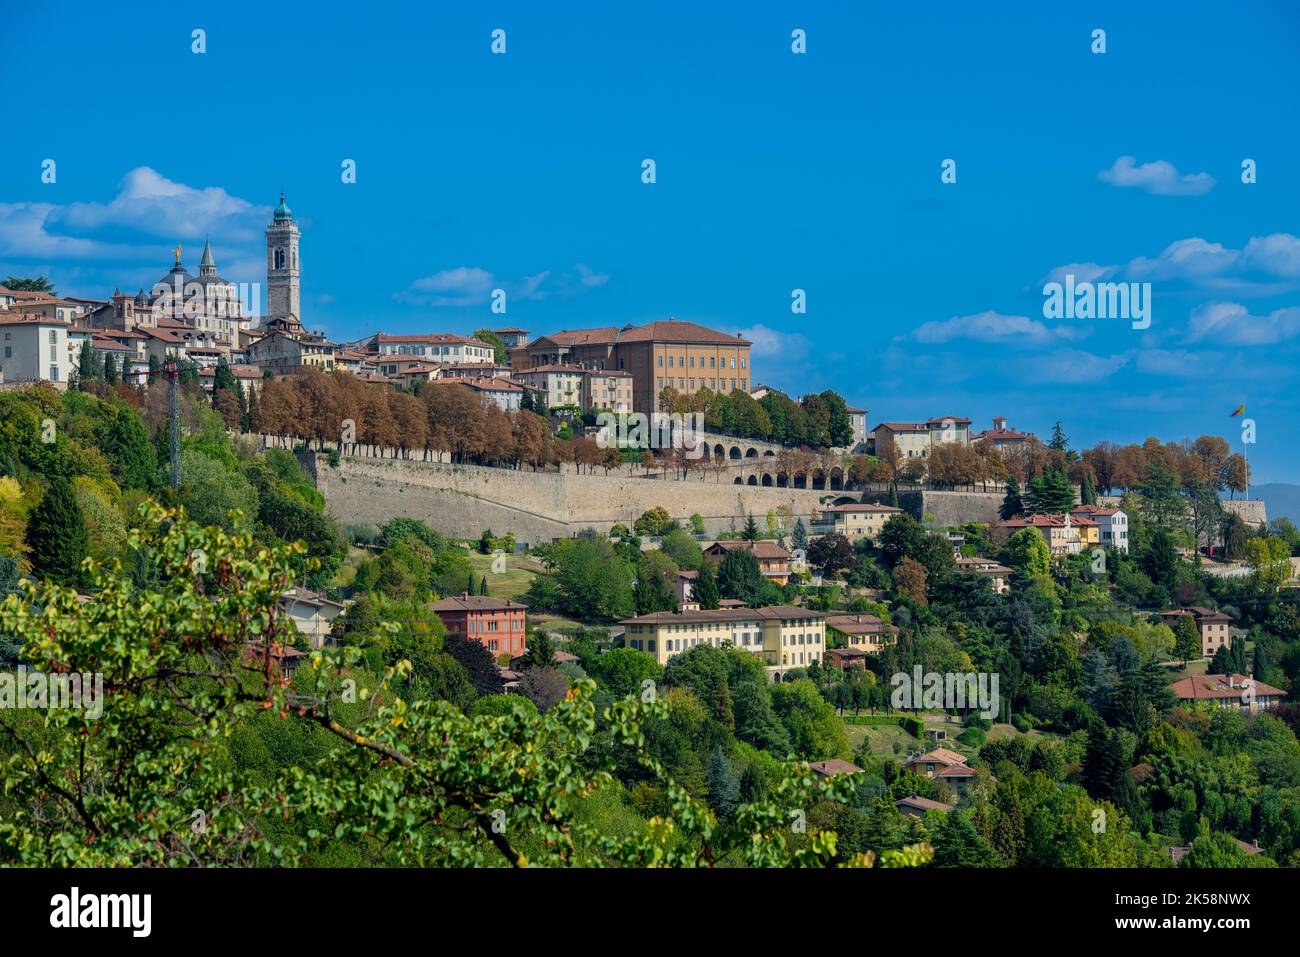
[(497, 623)]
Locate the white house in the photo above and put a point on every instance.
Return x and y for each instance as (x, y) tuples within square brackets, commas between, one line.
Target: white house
[(35, 348)]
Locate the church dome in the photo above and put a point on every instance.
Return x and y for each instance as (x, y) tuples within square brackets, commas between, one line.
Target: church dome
[(283, 214)]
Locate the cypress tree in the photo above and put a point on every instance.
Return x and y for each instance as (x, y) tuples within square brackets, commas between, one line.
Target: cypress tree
[(57, 535), (1012, 504), (110, 369), (1088, 490)]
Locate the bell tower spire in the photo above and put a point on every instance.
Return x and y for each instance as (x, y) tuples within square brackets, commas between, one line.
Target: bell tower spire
[(282, 266)]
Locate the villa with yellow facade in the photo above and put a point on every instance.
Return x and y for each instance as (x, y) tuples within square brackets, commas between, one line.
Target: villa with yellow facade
[(783, 636), (857, 520)]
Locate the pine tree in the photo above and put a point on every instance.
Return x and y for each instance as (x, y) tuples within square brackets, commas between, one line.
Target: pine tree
[(724, 786), (751, 533), (706, 587), (799, 537), (57, 535), (1011, 503)]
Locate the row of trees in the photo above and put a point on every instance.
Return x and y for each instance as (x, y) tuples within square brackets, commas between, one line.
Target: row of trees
[(819, 420)]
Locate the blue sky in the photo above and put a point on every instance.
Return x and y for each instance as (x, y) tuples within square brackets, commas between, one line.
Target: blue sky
[(775, 171)]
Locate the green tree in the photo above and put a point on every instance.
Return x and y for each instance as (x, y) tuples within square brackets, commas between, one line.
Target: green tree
[(57, 535), (1088, 490), (495, 341), (1027, 551), (37, 284), (751, 532), (799, 536), (705, 590), (1012, 505), (739, 576), (1187, 639)]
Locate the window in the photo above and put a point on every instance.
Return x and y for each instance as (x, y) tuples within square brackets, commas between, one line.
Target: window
[(712, 362), (670, 362), (9, 352), (53, 337), (692, 362), (661, 362), (54, 373)]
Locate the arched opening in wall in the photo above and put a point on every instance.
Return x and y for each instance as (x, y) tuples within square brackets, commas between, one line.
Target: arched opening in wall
[(801, 481), (819, 480), (735, 452), (845, 500), (751, 453), (782, 480), (768, 453), (752, 480), (719, 451), (738, 481), (767, 479), (704, 450), (837, 479)]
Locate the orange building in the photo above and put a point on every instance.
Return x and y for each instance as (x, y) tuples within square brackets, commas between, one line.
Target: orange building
[(497, 623)]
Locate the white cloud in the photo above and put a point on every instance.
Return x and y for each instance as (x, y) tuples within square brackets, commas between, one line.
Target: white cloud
[(1160, 178), (1075, 366), (1185, 259), (1232, 323), (1176, 363), (1267, 265), (154, 204), (1274, 255), (989, 326), (23, 234), (771, 343), (588, 277), (1082, 272)]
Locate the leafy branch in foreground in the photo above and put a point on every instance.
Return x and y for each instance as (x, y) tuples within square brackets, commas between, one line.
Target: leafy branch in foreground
[(190, 670)]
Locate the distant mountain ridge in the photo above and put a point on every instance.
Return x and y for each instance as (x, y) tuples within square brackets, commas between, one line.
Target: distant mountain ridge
[(1281, 499)]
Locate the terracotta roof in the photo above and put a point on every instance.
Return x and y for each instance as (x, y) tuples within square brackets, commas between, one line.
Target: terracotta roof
[(465, 602), (440, 338), (923, 804), (903, 426), (766, 613), (942, 420), (576, 370), (861, 507), (492, 385), (577, 337), (833, 767), (940, 756), (761, 548), (22, 319), (510, 329), (676, 330), (1220, 688), (859, 624)]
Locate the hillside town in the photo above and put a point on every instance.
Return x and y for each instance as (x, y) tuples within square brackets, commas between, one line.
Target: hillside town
[(933, 612)]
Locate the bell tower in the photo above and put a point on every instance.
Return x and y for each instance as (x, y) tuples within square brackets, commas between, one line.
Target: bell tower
[(282, 264)]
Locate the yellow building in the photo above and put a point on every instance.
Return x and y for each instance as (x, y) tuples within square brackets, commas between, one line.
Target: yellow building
[(562, 384), (783, 636), (858, 520)]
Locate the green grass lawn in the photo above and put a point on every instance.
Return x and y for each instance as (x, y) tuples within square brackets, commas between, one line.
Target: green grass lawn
[(513, 582)]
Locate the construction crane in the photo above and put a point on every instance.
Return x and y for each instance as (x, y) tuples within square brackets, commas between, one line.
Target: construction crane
[(172, 370)]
